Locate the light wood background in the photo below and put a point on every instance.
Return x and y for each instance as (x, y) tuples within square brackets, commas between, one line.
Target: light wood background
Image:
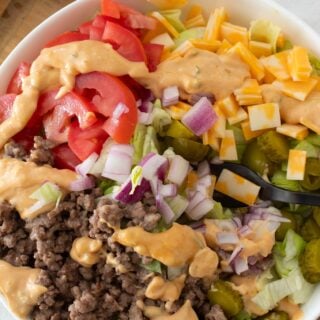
[(19, 17)]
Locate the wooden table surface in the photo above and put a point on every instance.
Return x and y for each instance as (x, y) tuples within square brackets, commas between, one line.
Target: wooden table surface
[(19, 17)]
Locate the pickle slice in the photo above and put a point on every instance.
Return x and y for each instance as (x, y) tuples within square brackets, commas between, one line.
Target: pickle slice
[(310, 261), (274, 145), (179, 130), (310, 230), (285, 226), (228, 299)]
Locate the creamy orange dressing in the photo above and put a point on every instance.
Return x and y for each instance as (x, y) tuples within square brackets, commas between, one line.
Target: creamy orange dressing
[(18, 180), (292, 110), (184, 313), (199, 71), (174, 247), (204, 264), (19, 287), (164, 290), (86, 251), (292, 309), (247, 287)]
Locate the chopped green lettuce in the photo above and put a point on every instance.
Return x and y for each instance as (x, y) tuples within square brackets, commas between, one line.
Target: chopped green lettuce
[(280, 180), (218, 212), (153, 266), (136, 178), (106, 184), (174, 18), (312, 151), (264, 31), (48, 193), (161, 118), (315, 63), (151, 143), (314, 139), (190, 34), (178, 205)]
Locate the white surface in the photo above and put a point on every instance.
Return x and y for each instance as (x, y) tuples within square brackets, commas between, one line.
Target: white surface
[(241, 11)]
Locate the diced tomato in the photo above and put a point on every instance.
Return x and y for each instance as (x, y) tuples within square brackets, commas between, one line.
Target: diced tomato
[(15, 84), (154, 53), (71, 104), (66, 37), (107, 92), (6, 105), (85, 27), (135, 19), (83, 142), (99, 21), (96, 33), (124, 41), (64, 158), (109, 8)]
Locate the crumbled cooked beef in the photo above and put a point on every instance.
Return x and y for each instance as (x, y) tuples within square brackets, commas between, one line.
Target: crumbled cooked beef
[(14, 150), (215, 313), (40, 153), (75, 292)]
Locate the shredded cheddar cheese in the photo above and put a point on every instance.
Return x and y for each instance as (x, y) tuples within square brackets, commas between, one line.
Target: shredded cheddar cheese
[(296, 164)]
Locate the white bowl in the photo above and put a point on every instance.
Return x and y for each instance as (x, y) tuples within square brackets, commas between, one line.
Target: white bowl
[(240, 11)]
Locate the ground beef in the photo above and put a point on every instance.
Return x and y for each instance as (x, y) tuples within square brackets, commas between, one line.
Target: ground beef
[(215, 313), (14, 150), (78, 293)]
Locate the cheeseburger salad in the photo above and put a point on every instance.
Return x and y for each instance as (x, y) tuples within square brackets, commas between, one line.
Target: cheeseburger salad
[(107, 193)]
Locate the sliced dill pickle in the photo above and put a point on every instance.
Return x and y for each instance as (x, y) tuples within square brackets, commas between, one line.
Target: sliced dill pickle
[(254, 158), (228, 299), (311, 181), (275, 315), (313, 167), (190, 150), (310, 230), (285, 226), (316, 215), (274, 145), (179, 130), (310, 261)]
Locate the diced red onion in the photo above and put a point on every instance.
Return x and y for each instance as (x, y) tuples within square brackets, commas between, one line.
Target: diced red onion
[(168, 190), (235, 253), (203, 169), (227, 238), (237, 222), (82, 183), (205, 180), (252, 260), (146, 106), (98, 166), (201, 209), (125, 196), (146, 158), (84, 167), (196, 198), (144, 117), (226, 225), (245, 231), (170, 96), (201, 117), (120, 109), (202, 189), (198, 226), (165, 210), (119, 162), (178, 169), (194, 98), (139, 103), (153, 165), (240, 265)]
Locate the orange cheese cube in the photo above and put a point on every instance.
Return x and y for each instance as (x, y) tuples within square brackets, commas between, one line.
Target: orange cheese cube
[(237, 187), (206, 45), (295, 131), (248, 133), (299, 64), (181, 50), (277, 65), (210, 138), (224, 47), (194, 11), (229, 106), (213, 29), (311, 122), (256, 67), (178, 110), (240, 116), (249, 93), (296, 164), (264, 116), (234, 33), (298, 90), (228, 149), (219, 128), (197, 21), (260, 49)]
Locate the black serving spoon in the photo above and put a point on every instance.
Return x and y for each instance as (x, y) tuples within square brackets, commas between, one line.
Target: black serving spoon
[(267, 191)]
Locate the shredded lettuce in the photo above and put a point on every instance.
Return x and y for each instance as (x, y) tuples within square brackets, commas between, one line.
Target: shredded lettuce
[(264, 31), (190, 34), (280, 180), (151, 143), (313, 139), (106, 184), (218, 212), (48, 193), (136, 178), (312, 151), (153, 266), (178, 205), (161, 118), (315, 63), (174, 18)]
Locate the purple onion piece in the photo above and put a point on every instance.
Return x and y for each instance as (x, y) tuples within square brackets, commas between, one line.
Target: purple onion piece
[(194, 98), (124, 195)]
